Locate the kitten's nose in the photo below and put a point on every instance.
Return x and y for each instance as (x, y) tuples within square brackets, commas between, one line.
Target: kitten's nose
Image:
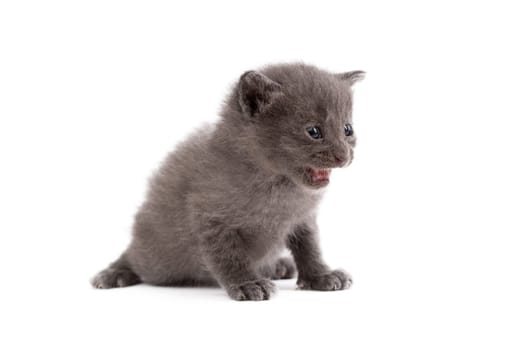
[(339, 160)]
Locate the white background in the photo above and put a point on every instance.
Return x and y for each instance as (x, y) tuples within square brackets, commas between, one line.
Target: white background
[(429, 219)]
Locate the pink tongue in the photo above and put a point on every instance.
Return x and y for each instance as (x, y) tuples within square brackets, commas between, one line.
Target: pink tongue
[(320, 174)]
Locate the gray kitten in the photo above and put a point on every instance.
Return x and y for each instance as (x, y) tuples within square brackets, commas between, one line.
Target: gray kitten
[(225, 204)]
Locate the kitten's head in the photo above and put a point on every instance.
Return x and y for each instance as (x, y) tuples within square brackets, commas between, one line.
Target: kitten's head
[(297, 120)]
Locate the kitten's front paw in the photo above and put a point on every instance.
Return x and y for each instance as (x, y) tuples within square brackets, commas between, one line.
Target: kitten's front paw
[(335, 280), (253, 290)]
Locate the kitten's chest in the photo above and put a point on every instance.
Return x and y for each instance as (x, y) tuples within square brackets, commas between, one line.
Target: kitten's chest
[(278, 208), (269, 222)]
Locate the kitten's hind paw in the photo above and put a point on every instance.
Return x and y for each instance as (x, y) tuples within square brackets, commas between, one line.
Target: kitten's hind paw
[(253, 290), (284, 269), (115, 278), (335, 280)]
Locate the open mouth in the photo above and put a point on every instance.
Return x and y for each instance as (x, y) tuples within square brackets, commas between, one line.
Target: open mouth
[(318, 177)]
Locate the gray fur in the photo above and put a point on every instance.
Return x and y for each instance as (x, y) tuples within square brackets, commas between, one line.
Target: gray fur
[(226, 203)]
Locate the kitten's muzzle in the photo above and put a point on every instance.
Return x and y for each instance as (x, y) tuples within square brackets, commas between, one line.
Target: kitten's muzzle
[(331, 159), (337, 162)]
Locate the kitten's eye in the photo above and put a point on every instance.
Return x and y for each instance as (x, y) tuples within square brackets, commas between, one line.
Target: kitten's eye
[(314, 132), (349, 131)]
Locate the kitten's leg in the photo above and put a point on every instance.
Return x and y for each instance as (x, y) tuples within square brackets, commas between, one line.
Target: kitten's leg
[(283, 268), (226, 256), (313, 272), (118, 274)]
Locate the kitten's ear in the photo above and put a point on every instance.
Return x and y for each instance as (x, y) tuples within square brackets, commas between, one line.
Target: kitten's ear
[(257, 92), (351, 77)]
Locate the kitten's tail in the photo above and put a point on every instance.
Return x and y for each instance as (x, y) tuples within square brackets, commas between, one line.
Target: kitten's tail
[(117, 274)]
